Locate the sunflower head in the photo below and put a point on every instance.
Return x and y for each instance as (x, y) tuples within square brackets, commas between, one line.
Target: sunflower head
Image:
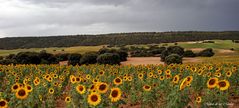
[(199, 99), (68, 99), (51, 91), (94, 99), (15, 87), (115, 94), (146, 88), (28, 88), (21, 93), (3, 103), (118, 81), (223, 85), (102, 87), (212, 83), (175, 79), (80, 89)]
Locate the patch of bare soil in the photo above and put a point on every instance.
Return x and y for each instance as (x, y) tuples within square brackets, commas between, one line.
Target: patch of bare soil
[(222, 51), (153, 60)]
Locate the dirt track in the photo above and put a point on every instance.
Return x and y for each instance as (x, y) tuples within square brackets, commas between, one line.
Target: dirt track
[(153, 60)]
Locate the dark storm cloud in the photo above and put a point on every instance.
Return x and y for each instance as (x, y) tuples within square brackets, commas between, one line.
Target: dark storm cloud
[(53, 17)]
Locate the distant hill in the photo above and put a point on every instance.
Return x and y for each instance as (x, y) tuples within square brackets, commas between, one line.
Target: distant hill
[(114, 39)]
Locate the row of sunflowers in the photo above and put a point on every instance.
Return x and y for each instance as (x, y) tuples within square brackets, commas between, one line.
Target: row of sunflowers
[(163, 86)]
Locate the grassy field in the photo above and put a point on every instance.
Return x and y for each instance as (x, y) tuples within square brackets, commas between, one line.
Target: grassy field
[(54, 50), (221, 48)]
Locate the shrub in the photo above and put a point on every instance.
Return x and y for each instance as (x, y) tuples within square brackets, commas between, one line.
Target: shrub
[(7, 61), (164, 54), (108, 58), (74, 59), (189, 53), (158, 50), (206, 53), (173, 59), (176, 50), (103, 50), (89, 58), (123, 55), (62, 57), (27, 58)]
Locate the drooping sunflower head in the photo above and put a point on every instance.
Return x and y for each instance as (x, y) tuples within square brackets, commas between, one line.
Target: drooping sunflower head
[(115, 94), (80, 89), (146, 88), (212, 83), (21, 93), (94, 99), (3, 103), (102, 87), (118, 81), (223, 85)]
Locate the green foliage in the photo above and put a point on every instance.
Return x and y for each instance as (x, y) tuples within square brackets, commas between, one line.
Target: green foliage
[(89, 58), (74, 59), (173, 59), (189, 53), (206, 53), (108, 58), (114, 39)]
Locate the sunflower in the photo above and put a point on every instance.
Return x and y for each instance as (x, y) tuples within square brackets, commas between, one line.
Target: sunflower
[(199, 99), (150, 74), (183, 84), (28, 88), (212, 83), (78, 79), (80, 89), (115, 94), (140, 75), (223, 85), (3, 103), (168, 71), (168, 76), (129, 78), (189, 79), (102, 72), (218, 74), (21, 93), (161, 78), (15, 87), (118, 81), (228, 73), (94, 99), (51, 90), (176, 79), (36, 81), (102, 87), (125, 78), (68, 99), (88, 76), (147, 88), (160, 72), (155, 76), (73, 79)]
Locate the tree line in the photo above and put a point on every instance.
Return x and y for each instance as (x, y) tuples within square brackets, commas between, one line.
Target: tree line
[(114, 39)]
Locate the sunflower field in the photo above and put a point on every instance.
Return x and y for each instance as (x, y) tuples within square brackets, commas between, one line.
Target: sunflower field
[(112, 86)]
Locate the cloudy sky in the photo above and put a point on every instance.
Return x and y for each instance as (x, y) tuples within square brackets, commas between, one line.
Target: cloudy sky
[(60, 17)]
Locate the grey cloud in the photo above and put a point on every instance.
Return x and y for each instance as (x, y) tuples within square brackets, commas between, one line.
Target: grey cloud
[(53, 17)]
